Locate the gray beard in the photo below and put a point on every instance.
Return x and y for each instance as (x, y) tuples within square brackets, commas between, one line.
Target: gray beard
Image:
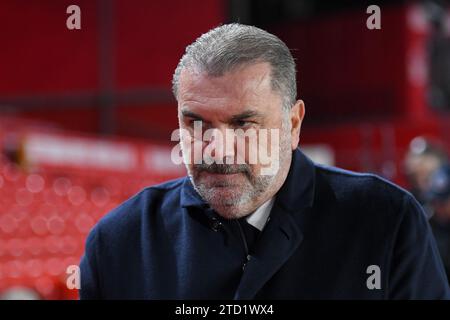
[(241, 197)]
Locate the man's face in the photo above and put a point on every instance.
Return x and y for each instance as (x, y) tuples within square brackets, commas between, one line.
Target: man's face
[(240, 99), (419, 170)]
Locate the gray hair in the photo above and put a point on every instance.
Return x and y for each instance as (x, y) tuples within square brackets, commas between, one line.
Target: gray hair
[(228, 46)]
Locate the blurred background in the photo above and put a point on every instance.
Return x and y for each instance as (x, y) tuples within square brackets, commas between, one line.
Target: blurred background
[(86, 115)]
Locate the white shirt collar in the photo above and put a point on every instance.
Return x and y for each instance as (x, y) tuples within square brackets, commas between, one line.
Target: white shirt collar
[(259, 218)]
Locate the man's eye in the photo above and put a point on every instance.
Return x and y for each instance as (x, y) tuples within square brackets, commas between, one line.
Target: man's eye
[(195, 122), (242, 123)]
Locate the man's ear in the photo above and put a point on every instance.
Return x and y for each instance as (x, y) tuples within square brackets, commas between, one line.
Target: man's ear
[(297, 114)]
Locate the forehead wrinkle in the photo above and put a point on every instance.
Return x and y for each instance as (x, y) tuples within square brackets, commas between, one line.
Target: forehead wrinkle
[(199, 96), (239, 87)]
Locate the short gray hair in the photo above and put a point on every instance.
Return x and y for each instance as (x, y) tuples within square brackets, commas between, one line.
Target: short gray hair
[(228, 46)]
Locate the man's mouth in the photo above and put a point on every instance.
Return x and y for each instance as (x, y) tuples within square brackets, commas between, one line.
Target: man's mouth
[(221, 180)]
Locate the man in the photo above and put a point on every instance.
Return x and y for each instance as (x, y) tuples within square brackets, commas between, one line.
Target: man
[(234, 230)]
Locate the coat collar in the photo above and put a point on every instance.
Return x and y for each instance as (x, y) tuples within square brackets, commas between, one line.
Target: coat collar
[(283, 233), (189, 197), (297, 192)]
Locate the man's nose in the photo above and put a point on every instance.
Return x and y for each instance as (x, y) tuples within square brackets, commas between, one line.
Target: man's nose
[(221, 145)]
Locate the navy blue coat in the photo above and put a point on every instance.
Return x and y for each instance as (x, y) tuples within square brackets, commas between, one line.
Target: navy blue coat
[(326, 228)]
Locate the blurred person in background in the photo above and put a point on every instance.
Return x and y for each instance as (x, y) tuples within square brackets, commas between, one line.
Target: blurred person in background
[(438, 196), (424, 156), (12, 149)]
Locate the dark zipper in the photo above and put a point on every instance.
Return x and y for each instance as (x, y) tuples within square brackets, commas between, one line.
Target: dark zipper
[(244, 240)]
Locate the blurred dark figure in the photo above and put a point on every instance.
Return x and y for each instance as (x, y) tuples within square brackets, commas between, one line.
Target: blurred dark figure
[(438, 196), (12, 150), (423, 158), (438, 56)]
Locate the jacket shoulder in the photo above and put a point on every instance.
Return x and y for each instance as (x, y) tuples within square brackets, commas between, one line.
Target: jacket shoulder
[(346, 182), (365, 190), (381, 212), (128, 215)]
